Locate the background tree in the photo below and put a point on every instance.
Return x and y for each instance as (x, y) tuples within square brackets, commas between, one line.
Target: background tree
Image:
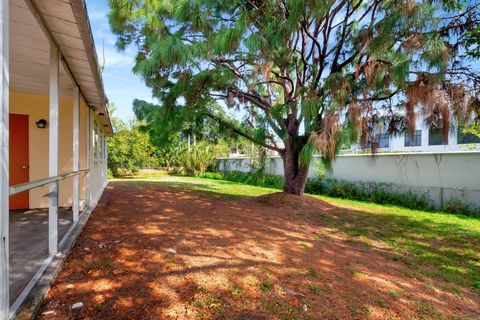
[(130, 148), (474, 129), (304, 74)]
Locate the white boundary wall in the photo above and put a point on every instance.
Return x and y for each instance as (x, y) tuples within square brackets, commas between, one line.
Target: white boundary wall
[(444, 176)]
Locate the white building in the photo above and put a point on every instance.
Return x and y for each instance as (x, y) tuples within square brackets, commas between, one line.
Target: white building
[(425, 139)]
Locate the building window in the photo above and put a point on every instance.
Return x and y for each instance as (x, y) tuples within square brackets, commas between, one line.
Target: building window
[(435, 137), (96, 142), (415, 140), (383, 140), (100, 145), (104, 149), (467, 137)]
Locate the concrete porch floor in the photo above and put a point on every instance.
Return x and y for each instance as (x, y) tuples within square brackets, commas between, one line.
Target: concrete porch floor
[(29, 244)]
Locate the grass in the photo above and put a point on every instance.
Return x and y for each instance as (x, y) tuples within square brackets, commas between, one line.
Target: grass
[(218, 187), (432, 244), (266, 286)]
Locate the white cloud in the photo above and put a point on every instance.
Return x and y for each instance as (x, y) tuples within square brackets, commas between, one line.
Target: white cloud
[(110, 57)]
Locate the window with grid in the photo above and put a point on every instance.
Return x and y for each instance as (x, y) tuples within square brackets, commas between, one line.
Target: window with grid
[(435, 137), (383, 140), (415, 140)]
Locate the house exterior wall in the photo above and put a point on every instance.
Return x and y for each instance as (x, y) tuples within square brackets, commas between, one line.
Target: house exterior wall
[(397, 142), (98, 161), (439, 176), (37, 107)]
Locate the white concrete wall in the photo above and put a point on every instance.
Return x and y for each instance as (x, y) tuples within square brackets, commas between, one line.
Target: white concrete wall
[(443, 176)]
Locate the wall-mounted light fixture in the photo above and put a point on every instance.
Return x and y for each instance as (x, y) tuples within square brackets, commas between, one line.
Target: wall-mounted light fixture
[(42, 123)]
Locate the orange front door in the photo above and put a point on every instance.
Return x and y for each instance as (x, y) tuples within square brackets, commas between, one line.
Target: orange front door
[(19, 158)]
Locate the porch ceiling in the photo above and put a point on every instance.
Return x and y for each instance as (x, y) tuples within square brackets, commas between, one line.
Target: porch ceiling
[(34, 24), (30, 54)]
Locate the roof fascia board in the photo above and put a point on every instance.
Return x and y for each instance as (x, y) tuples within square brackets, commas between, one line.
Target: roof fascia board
[(81, 15)]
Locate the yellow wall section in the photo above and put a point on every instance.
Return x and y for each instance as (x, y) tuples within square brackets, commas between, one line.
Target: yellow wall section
[(37, 107)]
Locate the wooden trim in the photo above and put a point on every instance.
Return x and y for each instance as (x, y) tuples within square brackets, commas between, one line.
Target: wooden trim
[(81, 15)]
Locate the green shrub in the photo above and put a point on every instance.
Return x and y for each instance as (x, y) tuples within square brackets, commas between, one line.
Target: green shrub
[(315, 186), (197, 159), (109, 173), (455, 206), (236, 176), (272, 181), (212, 175), (382, 193), (255, 179)]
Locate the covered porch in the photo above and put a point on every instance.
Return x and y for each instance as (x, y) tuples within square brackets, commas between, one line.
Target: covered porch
[(54, 125), (29, 244)]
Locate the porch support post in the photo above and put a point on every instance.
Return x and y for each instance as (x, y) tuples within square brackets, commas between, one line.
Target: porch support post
[(89, 155), (76, 117), (4, 131), (53, 151)]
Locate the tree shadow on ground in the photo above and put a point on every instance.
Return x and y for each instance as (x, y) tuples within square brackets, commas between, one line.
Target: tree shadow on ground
[(241, 259)]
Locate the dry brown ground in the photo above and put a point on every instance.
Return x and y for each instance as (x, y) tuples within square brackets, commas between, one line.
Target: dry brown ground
[(255, 258)]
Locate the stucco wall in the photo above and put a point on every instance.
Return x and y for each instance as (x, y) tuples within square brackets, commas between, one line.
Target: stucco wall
[(37, 107), (442, 176)]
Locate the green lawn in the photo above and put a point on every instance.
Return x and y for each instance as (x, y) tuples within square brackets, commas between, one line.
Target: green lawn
[(437, 245)]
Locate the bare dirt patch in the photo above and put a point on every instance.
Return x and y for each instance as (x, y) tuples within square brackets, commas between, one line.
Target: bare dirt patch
[(152, 252)]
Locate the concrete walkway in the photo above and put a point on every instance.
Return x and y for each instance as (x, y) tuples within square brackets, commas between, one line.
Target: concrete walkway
[(29, 244)]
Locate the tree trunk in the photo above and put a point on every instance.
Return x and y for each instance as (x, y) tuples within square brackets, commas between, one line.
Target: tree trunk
[(295, 173)]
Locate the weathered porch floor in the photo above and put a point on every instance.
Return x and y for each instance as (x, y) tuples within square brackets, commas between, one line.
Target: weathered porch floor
[(29, 244)]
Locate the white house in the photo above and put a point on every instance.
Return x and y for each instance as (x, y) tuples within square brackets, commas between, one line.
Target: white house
[(425, 139)]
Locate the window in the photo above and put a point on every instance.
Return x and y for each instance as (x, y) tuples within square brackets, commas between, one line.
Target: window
[(414, 141), (100, 145), (467, 137), (383, 140), (435, 137), (104, 149), (96, 142)]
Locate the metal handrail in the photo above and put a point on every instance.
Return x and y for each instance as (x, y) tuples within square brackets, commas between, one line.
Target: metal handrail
[(41, 182)]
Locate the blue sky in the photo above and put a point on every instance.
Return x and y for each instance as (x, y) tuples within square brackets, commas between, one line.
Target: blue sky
[(121, 85)]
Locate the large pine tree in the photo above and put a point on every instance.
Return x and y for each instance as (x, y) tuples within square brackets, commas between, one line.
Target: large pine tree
[(305, 75)]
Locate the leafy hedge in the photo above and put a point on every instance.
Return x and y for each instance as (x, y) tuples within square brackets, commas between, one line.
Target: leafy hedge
[(382, 193)]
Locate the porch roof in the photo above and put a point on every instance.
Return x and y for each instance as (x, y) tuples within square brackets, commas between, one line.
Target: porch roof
[(65, 24)]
